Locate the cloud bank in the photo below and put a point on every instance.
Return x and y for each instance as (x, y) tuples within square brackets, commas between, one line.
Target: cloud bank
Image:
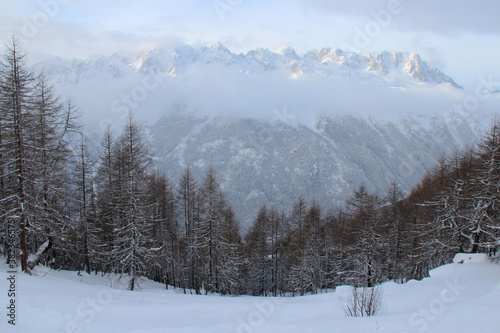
[(215, 90)]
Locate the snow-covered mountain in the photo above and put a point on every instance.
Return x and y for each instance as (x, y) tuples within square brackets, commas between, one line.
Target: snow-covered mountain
[(393, 69), (351, 118)]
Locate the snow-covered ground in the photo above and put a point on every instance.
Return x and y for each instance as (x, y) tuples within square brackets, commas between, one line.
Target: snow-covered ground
[(459, 297)]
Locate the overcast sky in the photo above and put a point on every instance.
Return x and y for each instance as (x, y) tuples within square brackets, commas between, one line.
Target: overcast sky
[(461, 37)]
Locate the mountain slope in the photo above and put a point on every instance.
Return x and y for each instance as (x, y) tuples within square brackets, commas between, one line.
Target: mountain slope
[(274, 162)]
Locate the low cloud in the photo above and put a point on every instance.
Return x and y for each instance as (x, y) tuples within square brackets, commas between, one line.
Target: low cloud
[(216, 90)]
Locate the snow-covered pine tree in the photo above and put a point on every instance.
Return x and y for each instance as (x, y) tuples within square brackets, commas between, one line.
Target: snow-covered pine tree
[(336, 243), (397, 236), (258, 252), (366, 250), (88, 232), (52, 124), (279, 226), (295, 243), (133, 241), (231, 259), (209, 236), (16, 85), (191, 254), (217, 237), (162, 206), (107, 189), (309, 274)]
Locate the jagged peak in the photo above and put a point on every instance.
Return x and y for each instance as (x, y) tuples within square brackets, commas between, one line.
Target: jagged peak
[(322, 62), (260, 51), (415, 56), (216, 48), (288, 52)]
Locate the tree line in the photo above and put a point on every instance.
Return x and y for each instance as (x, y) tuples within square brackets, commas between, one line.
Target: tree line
[(116, 213)]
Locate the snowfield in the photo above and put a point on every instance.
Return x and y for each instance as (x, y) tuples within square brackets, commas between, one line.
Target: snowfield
[(460, 297)]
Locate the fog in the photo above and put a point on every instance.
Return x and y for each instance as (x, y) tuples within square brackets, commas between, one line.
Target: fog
[(216, 90)]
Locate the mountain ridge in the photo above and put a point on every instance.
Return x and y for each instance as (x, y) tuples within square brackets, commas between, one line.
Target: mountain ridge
[(398, 68)]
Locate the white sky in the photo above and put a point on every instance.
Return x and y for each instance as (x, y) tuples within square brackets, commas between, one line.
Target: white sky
[(461, 37)]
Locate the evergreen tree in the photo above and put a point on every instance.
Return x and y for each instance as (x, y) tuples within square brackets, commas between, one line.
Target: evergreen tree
[(16, 100), (365, 251), (133, 232), (52, 124), (163, 204), (88, 240), (230, 270), (217, 237), (396, 235), (308, 275), (336, 243), (191, 257), (107, 189), (258, 252)]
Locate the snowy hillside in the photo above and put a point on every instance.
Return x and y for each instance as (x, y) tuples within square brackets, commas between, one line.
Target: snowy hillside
[(459, 297), (274, 161)]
